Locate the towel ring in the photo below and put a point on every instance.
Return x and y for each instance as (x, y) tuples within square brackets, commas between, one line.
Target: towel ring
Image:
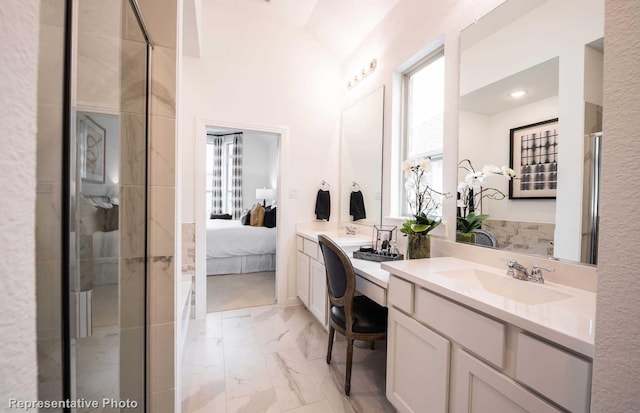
[(355, 186), (325, 185)]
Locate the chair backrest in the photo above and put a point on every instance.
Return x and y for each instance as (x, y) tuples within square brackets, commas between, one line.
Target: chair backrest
[(341, 278), (484, 237)]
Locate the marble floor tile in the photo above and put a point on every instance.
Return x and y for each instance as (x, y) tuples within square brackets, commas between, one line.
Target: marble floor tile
[(319, 407), (272, 359), (293, 379), (274, 335), (246, 371), (264, 401), (206, 396), (239, 331), (312, 340)]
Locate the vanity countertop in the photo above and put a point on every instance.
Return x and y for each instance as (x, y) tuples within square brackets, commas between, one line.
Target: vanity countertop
[(568, 321), (339, 237), (369, 270)]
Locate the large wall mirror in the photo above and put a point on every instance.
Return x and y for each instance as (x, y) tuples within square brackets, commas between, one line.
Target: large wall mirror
[(361, 160), (531, 99)]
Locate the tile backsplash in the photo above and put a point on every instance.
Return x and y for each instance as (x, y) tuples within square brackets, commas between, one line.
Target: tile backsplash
[(526, 237)]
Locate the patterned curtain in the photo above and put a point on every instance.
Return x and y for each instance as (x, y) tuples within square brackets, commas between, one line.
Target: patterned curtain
[(236, 177), (216, 199)]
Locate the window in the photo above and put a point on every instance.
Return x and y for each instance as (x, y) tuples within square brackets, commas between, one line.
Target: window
[(227, 166), (423, 93)]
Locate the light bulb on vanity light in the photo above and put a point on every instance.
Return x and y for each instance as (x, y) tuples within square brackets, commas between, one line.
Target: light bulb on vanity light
[(363, 73), (518, 94)]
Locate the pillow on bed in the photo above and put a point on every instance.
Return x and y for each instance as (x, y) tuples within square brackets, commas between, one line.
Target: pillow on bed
[(220, 216), (270, 217), (245, 218), (257, 215)]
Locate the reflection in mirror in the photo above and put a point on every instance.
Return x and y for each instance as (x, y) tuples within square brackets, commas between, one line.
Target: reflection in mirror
[(361, 160), (514, 74)]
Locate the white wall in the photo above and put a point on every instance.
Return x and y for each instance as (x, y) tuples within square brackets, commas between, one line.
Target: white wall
[(484, 140), (616, 370), (255, 69), (18, 81), (259, 165)]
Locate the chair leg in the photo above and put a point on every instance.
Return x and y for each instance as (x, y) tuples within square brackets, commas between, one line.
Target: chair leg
[(347, 381), (372, 345), (332, 333)]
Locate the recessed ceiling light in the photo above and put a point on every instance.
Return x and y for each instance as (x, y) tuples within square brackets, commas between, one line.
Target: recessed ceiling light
[(518, 94)]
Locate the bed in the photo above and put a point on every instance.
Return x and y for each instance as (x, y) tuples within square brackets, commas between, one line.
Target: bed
[(233, 248)]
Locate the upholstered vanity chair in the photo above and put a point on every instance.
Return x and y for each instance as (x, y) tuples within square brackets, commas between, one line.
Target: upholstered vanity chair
[(357, 318)]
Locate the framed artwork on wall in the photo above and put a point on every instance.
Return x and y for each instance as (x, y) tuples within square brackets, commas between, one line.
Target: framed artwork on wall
[(91, 149), (534, 157)]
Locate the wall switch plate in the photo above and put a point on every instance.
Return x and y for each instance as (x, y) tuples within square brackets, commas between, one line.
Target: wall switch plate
[(293, 193)]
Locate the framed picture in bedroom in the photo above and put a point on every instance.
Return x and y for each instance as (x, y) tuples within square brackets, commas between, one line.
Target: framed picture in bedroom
[(534, 157), (91, 149)]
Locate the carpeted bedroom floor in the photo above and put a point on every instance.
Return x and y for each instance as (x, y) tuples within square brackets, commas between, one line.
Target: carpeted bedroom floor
[(233, 291)]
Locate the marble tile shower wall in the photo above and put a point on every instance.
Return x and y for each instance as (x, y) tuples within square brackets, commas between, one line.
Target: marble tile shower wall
[(188, 247), (161, 19), (526, 237)]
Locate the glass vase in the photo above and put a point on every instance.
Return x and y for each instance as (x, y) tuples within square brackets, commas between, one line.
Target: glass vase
[(466, 237), (418, 246)]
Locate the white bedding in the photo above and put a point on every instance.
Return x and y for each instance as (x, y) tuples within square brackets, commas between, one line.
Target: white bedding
[(227, 238)]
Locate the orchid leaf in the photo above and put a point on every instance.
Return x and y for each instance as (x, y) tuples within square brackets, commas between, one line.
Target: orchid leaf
[(419, 227)]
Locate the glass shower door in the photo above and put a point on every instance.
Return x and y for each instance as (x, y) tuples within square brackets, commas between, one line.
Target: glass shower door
[(107, 206)]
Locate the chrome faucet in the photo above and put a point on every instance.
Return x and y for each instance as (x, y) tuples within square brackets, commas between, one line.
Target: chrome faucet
[(536, 273), (517, 270)]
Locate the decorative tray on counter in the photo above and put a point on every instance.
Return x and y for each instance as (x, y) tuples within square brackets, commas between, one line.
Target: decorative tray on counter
[(377, 256)]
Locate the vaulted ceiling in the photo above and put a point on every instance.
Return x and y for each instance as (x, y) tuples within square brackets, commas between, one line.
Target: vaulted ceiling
[(340, 25)]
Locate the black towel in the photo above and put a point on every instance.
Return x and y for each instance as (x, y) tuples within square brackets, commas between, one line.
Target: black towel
[(356, 206), (323, 205)]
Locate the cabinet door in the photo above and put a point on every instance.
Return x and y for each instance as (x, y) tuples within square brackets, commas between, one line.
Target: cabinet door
[(318, 292), (478, 388), (417, 366), (302, 277)]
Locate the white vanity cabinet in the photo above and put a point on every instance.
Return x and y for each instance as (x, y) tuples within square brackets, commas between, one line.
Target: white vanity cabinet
[(476, 387), (302, 277), (446, 357), (318, 299), (311, 278), (417, 366)]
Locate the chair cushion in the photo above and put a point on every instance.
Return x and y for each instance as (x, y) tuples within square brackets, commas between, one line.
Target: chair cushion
[(368, 316)]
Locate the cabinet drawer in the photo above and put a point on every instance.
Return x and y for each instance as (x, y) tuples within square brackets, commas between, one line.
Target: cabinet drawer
[(401, 294), (561, 376), (310, 248), (299, 243), (479, 334), (371, 290)]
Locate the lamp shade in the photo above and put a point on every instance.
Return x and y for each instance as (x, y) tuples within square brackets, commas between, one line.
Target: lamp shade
[(265, 193)]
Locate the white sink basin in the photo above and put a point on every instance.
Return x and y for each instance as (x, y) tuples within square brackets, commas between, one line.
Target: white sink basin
[(524, 292)]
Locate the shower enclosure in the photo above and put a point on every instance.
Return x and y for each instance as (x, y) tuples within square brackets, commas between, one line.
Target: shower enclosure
[(92, 204)]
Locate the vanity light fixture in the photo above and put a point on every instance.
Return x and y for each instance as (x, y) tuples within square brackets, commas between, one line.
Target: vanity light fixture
[(518, 94), (363, 73)]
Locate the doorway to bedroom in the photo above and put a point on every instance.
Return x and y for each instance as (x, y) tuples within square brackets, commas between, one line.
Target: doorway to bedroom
[(241, 185)]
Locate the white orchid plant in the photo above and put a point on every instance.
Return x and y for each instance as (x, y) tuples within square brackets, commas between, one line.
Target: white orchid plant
[(423, 200), (471, 192)]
